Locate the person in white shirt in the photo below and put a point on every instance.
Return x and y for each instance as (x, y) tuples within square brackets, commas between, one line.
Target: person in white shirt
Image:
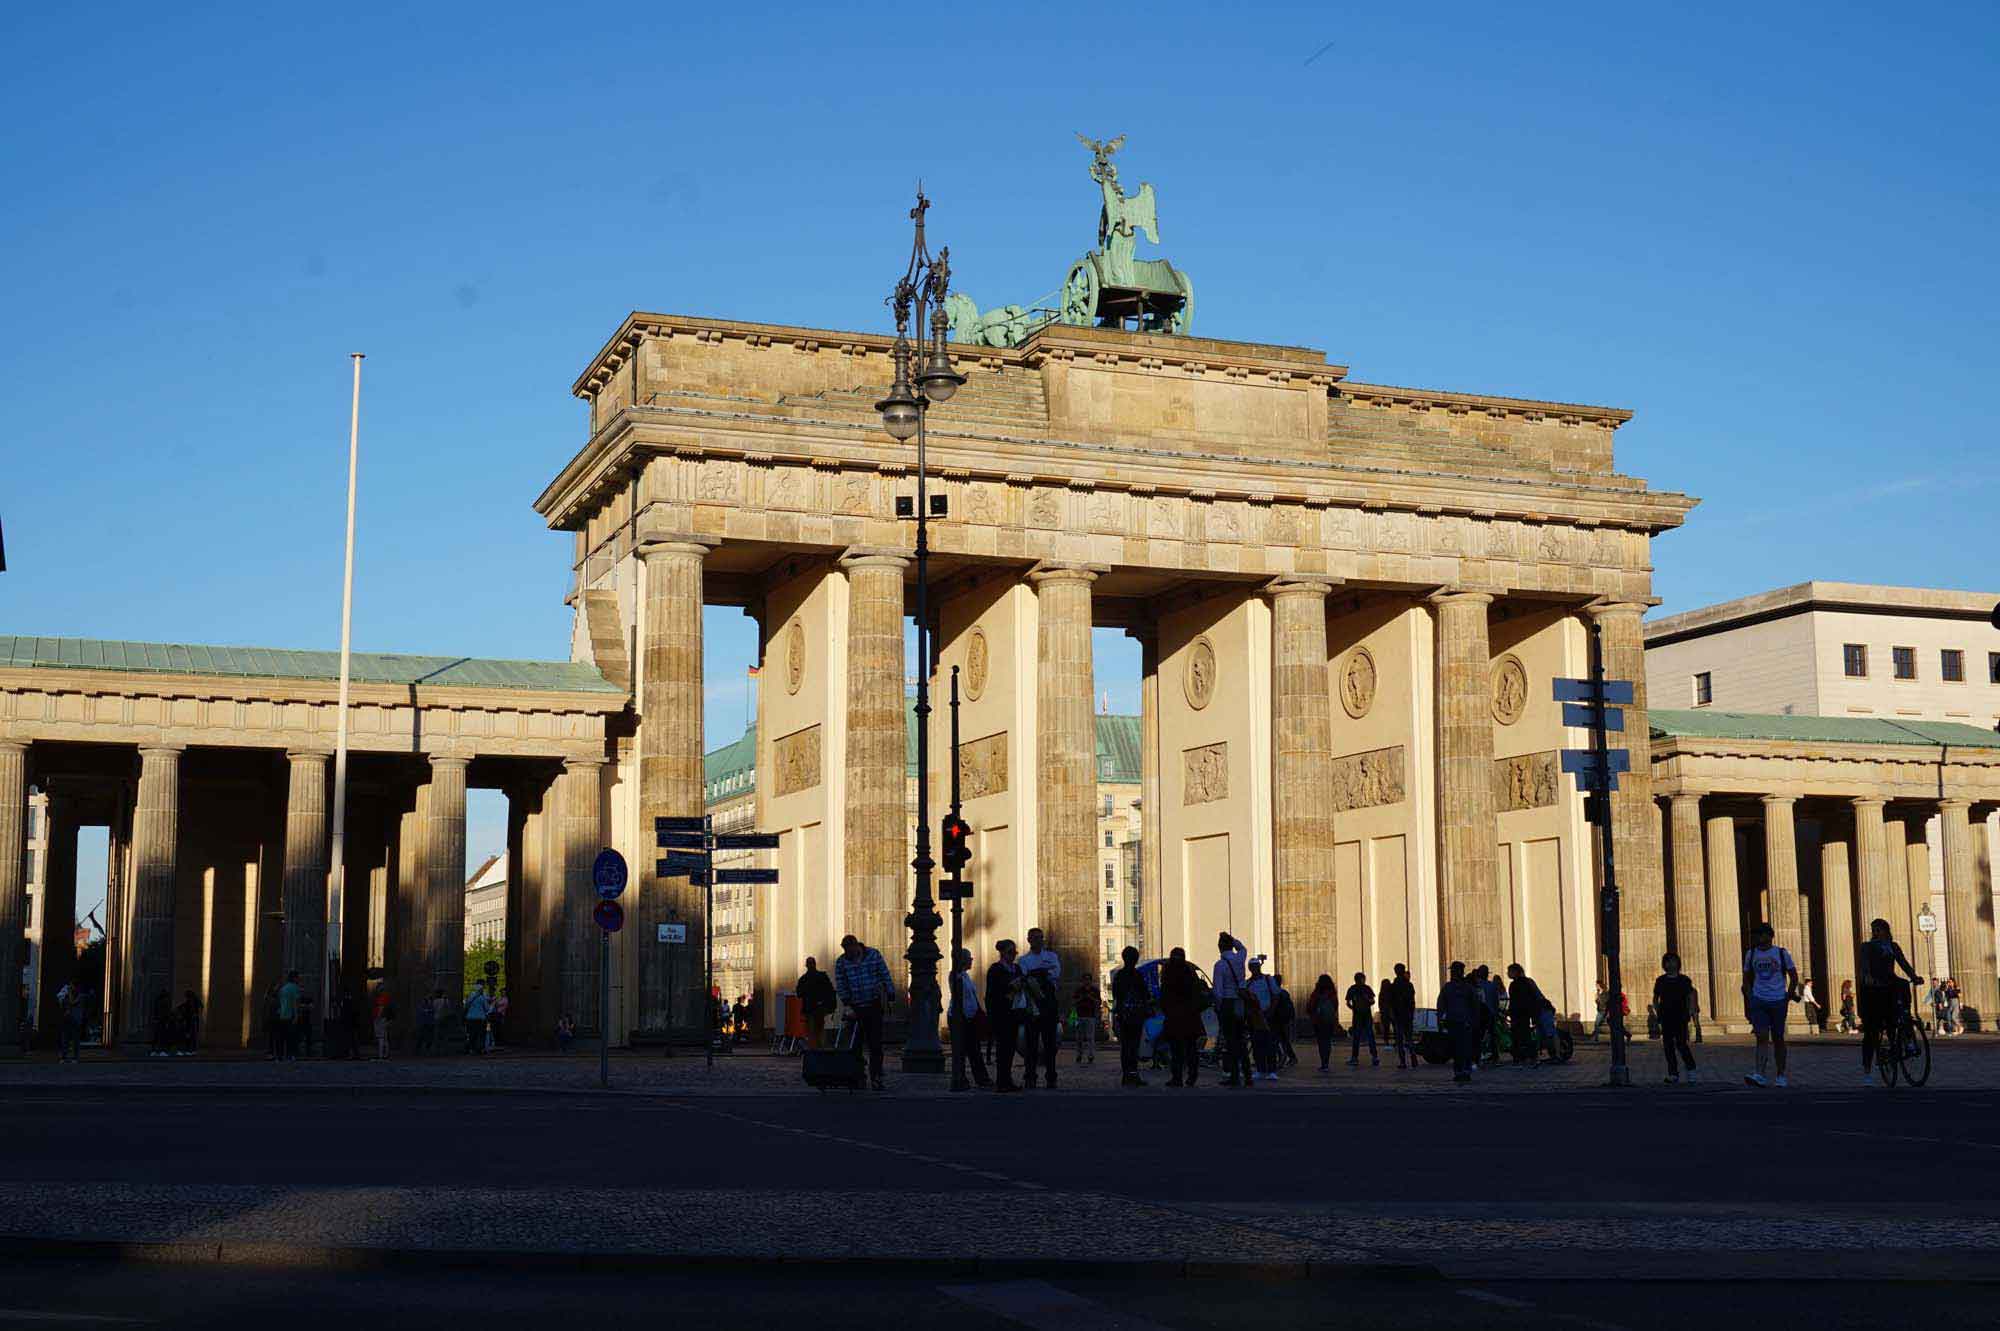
[(1770, 982), (962, 1018), (1041, 980), (1227, 981)]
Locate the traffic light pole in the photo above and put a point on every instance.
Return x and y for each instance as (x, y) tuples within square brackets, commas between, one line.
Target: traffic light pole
[(958, 1081), (1600, 746)]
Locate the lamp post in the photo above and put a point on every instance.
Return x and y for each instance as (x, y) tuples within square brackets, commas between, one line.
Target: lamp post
[(920, 291)]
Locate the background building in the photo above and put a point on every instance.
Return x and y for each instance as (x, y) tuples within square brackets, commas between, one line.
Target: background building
[(486, 902)]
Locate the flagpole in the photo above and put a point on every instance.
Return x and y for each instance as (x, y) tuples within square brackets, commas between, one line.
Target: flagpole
[(337, 876)]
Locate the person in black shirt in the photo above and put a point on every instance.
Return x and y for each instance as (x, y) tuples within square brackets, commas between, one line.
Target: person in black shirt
[(1525, 1005), (1131, 1002), (1880, 992), (1674, 998)]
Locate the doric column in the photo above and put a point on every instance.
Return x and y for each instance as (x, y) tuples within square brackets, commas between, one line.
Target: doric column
[(1066, 766), (13, 883), (1725, 921), (1896, 859), (1917, 882), (1691, 937), (1836, 889), (670, 742), (880, 882), (304, 899), (1301, 780), (530, 996), (155, 858), (1968, 915), (58, 914), (1781, 873), (1635, 827), (1152, 818), (409, 908), (579, 830), (1468, 878), (1871, 869), (444, 863)]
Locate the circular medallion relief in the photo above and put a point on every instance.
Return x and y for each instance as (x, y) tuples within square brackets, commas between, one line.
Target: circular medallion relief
[(1199, 680), (977, 658), (1510, 689), (795, 656), (1357, 683)]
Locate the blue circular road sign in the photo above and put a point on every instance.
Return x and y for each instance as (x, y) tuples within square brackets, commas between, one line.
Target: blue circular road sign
[(610, 916), (609, 874)]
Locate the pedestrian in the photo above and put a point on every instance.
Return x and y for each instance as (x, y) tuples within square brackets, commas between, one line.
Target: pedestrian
[(1399, 1005), (1284, 1016), (1491, 991), (1675, 996), (477, 1008), (1603, 1009), (565, 1032), (496, 1022), (1526, 1006), (1361, 1003), (1228, 979), (1849, 1013), (1005, 1003), (1460, 1008), (1323, 1011), (381, 1011), (70, 1017), (1131, 1004), (290, 1018), (302, 1029), (1882, 994), (816, 1001), (187, 1020), (1940, 1006), (1260, 997), (1770, 983), (1088, 1005), (1809, 1004), (1954, 1000), (1180, 1018), (861, 978), (962, 1019), (1041, 980)]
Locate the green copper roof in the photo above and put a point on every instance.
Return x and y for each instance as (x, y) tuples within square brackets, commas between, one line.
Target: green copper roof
[(1705, 724), (732, 769), (179, 658)]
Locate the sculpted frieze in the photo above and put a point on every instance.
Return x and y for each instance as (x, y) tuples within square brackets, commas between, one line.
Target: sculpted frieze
[(1045, 509), (852, 494), (797, 758), (1205, 774), (1165, 516), (788, 488), (1525, 781), (981, 505), (715, 482), (982, 766), (1369, 780)]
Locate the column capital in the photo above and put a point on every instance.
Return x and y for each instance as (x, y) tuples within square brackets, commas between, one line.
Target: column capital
[(438, 760), (13, 745), (577, 765), (1041, 574), (1460, 596), (1301, 584), (1608, 608), (1772, 801), (1866, 801), (867, 556), (1694, 793), (162, 750), (676, 543), (320, 756), (1954, 805)]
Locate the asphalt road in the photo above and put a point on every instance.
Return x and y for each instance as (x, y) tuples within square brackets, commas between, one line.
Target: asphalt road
[(1836, 1148)]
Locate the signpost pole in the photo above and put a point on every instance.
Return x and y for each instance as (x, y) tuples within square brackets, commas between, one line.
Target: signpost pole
[(958, 1081), (603, 1010), (1620, 1075), (708, 938)]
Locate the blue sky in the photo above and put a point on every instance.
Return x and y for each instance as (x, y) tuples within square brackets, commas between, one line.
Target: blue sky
[(1767, 229)]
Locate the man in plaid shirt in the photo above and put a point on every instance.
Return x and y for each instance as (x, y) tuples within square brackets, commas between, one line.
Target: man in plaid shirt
[(861, 978)]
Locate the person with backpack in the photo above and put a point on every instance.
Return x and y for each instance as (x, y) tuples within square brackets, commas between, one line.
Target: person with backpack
[(1227, 980), (1526, 1007), (1676, 999), (1284, 1016), (1131, 1004), (1399, 1007), (1323, 1011), (1180, 1018), (1361, 1002), (817, 1001), (1770, 983)]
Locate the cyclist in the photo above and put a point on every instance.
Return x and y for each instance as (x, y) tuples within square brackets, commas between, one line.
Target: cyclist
[(1882, 996)]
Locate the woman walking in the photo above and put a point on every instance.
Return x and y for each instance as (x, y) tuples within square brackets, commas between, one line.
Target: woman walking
[(1086, 1008), (1323, 1010), (1180, 1013)]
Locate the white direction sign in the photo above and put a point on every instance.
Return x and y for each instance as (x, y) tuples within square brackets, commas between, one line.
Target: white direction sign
[(673, 933)]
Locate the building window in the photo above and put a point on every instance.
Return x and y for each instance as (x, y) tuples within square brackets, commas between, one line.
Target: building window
[(1107, 838), (1993, 667), (1109, 908), (1107, 806), (1951, 665), (1110, 878), (1904, 662), (1704, 689), (1854, 661)]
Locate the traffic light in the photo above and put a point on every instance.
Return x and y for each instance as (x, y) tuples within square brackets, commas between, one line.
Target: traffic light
[(957, 851)]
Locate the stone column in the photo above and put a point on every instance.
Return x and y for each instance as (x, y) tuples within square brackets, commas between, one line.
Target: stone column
[(444, 864), (1469, 903), (1301, 781), (1066, 767), (1871, 869), (304, 891), (578, 832), (670, 785), (880, 881), (1968, 917), (1725, 922), (1152, 818), (1691, 937), (1635, 833), (1836, 889), (156, 822), (1896, 859), (13, 884), (1917, 874), (1781, 879), (58, 915), (409, 911)]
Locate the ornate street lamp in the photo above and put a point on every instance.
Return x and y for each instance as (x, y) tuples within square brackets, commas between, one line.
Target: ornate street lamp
[(921, 291)]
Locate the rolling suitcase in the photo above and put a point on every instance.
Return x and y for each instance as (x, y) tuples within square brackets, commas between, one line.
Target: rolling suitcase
[(838, 1066)]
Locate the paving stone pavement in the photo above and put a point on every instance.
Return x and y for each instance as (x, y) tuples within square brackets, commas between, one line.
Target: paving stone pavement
[(1817, 1064)]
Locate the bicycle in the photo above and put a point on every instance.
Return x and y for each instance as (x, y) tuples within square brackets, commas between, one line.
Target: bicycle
[(1905, 1050)]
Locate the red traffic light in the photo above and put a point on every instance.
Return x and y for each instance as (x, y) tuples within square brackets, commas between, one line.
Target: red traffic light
[(957, 835)]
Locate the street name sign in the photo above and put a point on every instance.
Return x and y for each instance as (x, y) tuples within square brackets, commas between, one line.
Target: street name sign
[(673, 933)]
